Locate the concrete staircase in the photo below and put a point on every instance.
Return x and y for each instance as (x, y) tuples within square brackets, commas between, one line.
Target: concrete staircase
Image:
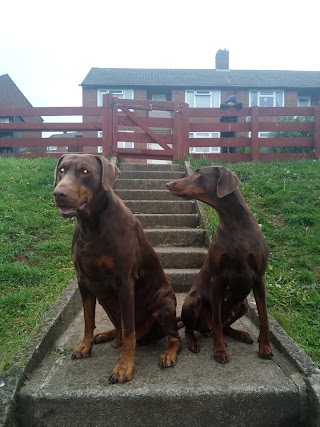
[(246, 392), (171, 224)]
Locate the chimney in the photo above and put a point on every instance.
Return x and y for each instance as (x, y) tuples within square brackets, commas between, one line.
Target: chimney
[(222, 59)]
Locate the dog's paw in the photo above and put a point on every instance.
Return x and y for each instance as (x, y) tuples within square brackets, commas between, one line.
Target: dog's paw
[(121, 373), (221, 356), (167, 359), (82, 351), (193, 344), (265, 352), (194, 347)]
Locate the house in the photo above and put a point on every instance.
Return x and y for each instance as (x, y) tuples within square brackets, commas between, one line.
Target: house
[(12, 97), (205, 88), (71, 149)]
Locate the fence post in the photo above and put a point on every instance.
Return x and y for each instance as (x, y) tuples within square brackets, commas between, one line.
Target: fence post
[(114, 125), (185, 130), (255, 149), (316, 132), (177, 140), (107, 125)]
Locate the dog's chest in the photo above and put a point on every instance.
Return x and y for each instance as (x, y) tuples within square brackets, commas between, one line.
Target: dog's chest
[(93, 262)]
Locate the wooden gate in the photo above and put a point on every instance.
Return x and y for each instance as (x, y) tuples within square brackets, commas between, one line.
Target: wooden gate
[(145, 129)]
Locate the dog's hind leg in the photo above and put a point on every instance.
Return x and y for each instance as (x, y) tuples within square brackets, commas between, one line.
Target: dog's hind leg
[(115, 334), (234, 314)]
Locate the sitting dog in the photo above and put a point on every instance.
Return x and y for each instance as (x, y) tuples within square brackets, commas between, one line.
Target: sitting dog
[(235, 264), (115, 264)]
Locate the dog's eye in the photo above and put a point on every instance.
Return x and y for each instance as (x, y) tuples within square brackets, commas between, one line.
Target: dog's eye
[(85, 171), (61, 170)]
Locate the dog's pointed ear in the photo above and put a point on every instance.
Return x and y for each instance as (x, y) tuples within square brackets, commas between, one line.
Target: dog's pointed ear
[(109, 173), (55, 172), (227, 182)]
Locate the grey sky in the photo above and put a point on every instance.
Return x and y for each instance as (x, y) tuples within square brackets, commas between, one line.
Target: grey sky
[(48, 47)]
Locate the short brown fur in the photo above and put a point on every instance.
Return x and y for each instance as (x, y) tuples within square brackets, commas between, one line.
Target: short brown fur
[(115, 264), (235, 264)]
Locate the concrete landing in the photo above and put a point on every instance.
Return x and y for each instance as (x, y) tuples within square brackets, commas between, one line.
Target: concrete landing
[(247, 391)]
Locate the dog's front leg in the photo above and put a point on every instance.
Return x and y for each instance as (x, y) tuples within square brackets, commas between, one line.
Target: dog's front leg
[(89, 309), (123, 371), (220, 352), (265, 349)]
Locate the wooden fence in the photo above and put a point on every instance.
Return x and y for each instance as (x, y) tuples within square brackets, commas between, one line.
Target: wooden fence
[(164, 130)]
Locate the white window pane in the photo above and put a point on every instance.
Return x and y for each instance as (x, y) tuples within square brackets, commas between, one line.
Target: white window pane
[(279, 99), (265, 101), (158, 97), (128, 94), (215, 99), (190, 98), (304, 102), (253, 99), (202, 101)]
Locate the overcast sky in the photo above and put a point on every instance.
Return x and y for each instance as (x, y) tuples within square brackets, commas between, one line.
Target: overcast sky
[(48, 47)]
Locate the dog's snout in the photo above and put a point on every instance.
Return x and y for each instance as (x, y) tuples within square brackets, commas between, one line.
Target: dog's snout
[(169, 184), (60, 193)]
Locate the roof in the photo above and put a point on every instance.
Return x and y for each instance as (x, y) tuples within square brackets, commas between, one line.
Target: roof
[(185, 78), (12, 97)]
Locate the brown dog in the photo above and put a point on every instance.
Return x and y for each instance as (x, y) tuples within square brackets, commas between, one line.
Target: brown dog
[(115, 264), (235, 264)]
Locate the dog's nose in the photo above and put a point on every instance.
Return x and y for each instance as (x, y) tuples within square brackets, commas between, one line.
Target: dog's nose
[(60, 193), (169, 184)]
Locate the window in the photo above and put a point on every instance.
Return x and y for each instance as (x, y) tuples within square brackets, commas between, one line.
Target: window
[(119, 93), (304, 101), (266, 98), (159, 113), (203, 98), (120, 144), (204, 135), (264, 134)]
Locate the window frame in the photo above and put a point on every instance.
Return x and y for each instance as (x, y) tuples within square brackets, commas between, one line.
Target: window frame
[(204, 150), (307, 98), (119, 93), (215, 97), (273, 93)]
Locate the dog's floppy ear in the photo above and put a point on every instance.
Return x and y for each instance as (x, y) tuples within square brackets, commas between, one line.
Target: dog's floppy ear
[(55, 172), (110, 172), (227, 182)]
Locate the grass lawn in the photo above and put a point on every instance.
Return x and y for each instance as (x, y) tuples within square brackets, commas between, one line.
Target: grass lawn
[(35, 261)]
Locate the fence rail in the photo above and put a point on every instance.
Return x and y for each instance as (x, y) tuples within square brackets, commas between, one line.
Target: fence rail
[(132, 128)]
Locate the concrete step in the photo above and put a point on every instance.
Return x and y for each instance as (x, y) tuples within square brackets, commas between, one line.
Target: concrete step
[(147, 174), (161, 206), (151, 167), (168, 220), (181, 257), (246, 392), (146, 195), (140, 184), (176, 236), (181, 279)]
